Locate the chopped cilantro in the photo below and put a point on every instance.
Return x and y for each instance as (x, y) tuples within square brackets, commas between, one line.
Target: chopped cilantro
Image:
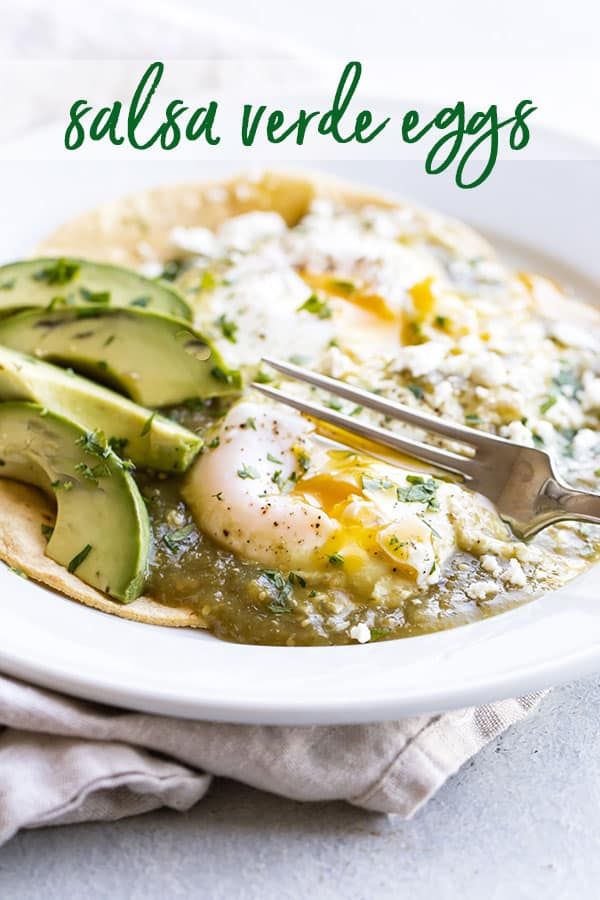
[(286, 486), (375, 484), (294, 578), (419, 491), (94, 442), (334, 404), (263, 377), (317, 307), (173, 538), (147, 425), (336, 559), (473, 419), (303, 460), (86, 472), (416, 390), (247, 472), (250, 423), (569, 435), (567, 382), (207, 282), (228, 328), (280, 589), (548, 403), (441, 321), (141, 302), (214, 443), (47, 530), (61, 272), (172, 269), (79, 558), (356, 411), (377, 634), (99, 471), (62, 485), (273, 459)]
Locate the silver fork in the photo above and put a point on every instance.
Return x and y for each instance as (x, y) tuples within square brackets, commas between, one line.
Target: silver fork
[(520, 481)]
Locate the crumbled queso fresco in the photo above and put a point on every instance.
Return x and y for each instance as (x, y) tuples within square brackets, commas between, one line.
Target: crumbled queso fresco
[(313, 543)]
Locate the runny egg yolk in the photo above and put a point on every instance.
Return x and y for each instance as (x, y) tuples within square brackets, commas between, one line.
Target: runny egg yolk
[(358, 313), (277, 494), (376, 528), (351, 292)]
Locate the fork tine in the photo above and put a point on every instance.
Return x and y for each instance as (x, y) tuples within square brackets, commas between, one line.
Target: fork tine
[(395, 410), (444, 459)]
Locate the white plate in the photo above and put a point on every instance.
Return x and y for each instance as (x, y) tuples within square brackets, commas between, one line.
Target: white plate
[(58, 643)]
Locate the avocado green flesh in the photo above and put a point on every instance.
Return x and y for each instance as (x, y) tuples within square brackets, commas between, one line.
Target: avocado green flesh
[(151, 441), (45, 281), (154, 359), (46, 450)]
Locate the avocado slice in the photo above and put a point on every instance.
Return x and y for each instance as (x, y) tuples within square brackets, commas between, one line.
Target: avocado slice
[(149, 440), (152, 358), (102, 532), (50, 281)]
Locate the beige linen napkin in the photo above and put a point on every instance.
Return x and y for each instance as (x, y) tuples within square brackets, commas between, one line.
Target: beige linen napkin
[(64, 760)]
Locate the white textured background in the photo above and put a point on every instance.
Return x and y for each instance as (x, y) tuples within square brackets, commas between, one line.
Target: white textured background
[(386, 28)]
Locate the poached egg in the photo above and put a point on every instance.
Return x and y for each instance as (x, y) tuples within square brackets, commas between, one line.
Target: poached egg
[(271, 490)]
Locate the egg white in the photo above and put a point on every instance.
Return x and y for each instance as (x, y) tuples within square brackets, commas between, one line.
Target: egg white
[(273, 491)]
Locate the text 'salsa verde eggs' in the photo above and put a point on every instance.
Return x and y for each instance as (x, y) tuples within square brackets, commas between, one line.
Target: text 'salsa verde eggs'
[(261, 526), (470, 141)]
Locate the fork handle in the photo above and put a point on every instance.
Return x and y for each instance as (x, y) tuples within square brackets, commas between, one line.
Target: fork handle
[(571, 504)]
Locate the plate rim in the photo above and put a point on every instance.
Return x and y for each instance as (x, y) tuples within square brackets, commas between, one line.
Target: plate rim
[(519, 681)]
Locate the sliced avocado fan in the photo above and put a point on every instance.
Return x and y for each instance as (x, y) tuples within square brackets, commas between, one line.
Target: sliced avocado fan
[(58, 282), (149, 440), (154, 359), (102, 532)]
